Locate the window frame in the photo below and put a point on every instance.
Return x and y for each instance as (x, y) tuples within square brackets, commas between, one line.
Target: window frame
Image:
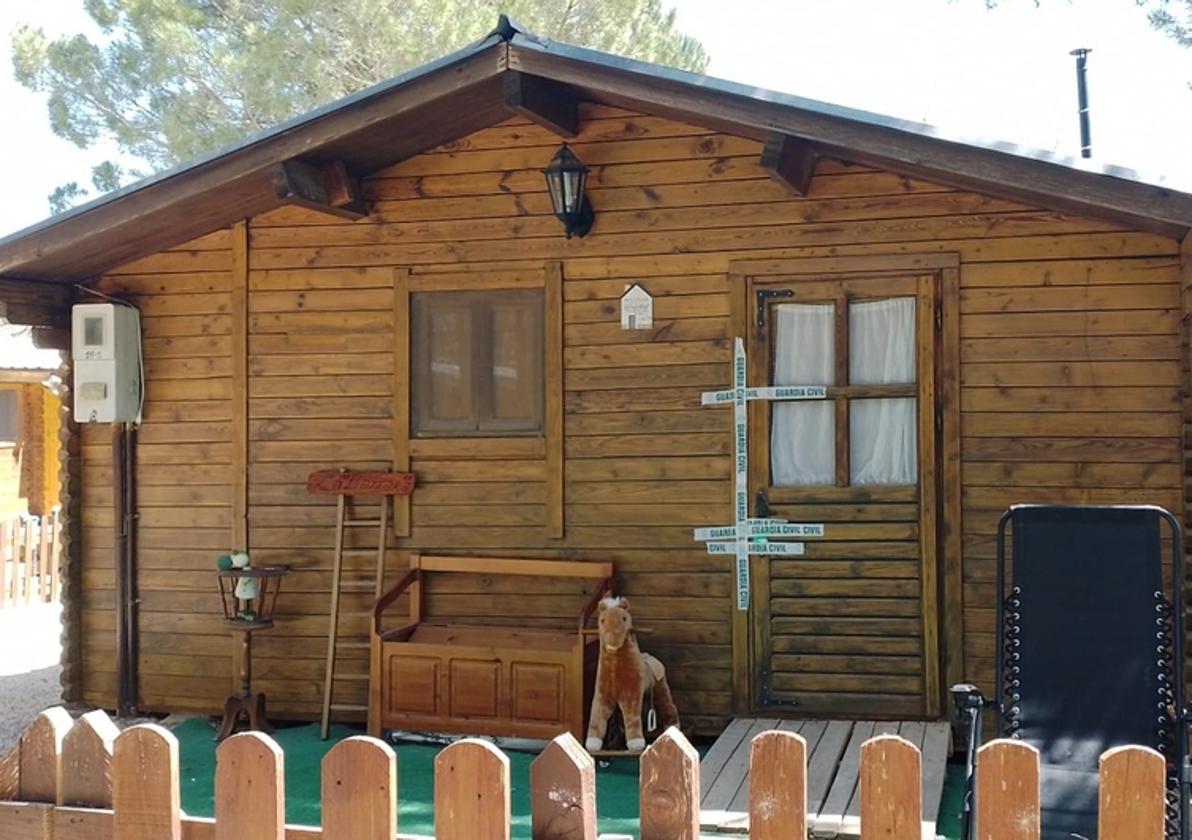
[(482, 422), (17, 419), (841, 392), (776, 290)]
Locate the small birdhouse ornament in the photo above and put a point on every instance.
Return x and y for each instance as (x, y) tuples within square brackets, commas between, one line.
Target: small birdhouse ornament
[(637, 309)]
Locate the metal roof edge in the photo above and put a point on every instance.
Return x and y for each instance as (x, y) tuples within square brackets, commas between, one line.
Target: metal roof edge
[(827, 109)]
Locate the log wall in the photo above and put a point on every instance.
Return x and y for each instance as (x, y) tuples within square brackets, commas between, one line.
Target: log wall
[(1070, 390)]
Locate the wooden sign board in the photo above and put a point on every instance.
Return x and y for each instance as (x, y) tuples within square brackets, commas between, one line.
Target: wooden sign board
[(347, 483)]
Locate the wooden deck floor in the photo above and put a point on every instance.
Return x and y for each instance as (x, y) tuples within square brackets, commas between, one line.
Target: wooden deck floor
[(833, 758)]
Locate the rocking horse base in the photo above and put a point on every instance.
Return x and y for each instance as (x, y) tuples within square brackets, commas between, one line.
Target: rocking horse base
[(251, 706)]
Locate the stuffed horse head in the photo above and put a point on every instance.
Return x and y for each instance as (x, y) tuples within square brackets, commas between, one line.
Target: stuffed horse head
[(614, 622)]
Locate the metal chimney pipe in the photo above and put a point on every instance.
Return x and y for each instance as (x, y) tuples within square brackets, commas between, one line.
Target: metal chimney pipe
[(1082, 95)]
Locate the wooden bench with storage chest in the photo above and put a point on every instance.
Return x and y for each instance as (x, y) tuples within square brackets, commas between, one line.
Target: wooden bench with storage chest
[(467, 677)]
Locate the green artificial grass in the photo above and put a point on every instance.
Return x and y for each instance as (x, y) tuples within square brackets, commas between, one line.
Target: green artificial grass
[(616, 780)]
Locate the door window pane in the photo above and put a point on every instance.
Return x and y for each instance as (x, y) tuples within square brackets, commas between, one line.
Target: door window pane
[(883, 446), (881, 341), (802, 434)]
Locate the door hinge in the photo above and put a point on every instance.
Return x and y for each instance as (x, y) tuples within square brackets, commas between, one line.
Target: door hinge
[(763, 295), (765, 691), (762, 505)]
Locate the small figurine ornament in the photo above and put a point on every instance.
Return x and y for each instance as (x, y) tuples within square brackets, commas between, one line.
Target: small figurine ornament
[(247, 588), (624, 678)]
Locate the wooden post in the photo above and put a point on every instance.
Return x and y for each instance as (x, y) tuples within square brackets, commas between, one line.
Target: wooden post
[(563, 792), (471, 792), (1132, 795), (250, 799), (669, 791), (777, 786), (360, 790), (145, 794), (41, 756), (87, 761), (891, 802), (1007, 786)]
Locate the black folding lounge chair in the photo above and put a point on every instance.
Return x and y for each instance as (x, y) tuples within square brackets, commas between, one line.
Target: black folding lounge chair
[(1090, 655)]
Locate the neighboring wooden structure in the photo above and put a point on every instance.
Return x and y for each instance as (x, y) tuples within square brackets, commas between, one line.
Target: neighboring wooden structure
[(54, 792), (487, 679), (29, 423), (1048, 308)]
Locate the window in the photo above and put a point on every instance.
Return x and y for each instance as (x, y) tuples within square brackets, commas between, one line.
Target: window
[(866, 432), (477, 363), (10, 415)]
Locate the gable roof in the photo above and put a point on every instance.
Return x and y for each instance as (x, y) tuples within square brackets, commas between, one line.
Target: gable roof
[(463, 92)]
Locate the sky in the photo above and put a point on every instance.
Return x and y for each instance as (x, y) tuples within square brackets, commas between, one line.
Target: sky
[(980, 75)]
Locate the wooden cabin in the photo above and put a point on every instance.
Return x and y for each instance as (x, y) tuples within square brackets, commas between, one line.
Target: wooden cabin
[(382, 284), (29, 425)]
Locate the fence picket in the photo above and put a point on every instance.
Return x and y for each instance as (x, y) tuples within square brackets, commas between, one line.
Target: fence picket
[(145, 794), (41, 756), (1007, 791), (55, 543), (87, 761), (44, 534), (890, 781), (1132, 794), (669, 789), (8, 550), (472, 792), (563, 792), (359, 789), (777, 786), (29, 523), (250, 799)]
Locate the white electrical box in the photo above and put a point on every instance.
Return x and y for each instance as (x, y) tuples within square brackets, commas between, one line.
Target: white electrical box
[(106, 344)]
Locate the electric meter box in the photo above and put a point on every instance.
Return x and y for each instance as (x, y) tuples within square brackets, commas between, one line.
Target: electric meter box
[(106, 344)]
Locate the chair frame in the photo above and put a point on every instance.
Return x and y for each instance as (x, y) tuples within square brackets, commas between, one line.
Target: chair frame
[(970, 703)]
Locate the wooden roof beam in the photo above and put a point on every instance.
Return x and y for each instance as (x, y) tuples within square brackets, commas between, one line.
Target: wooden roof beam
[(328, 188), (29, 303), (789, 161), (551, 105)]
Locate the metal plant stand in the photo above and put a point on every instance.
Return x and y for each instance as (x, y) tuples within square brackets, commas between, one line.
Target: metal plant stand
[(245, 616)]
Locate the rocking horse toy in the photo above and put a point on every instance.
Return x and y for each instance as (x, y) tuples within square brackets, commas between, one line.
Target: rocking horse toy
[(625, 677)]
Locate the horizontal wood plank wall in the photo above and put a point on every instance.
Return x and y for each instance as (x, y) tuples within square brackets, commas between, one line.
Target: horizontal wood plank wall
[(184, 485), (1070, 386)]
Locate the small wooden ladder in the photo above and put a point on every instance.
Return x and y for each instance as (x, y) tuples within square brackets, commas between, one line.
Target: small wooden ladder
[(345, 485), (343, 520)]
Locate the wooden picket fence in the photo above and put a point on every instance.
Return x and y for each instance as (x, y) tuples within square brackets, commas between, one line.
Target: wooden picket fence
[(29, 559), (84, 780)]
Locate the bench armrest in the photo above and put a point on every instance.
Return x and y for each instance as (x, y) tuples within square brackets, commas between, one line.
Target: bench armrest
[(392, 595), (604, 588)]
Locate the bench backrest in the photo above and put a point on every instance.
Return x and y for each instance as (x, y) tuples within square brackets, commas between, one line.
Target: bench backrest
[(511, 566)]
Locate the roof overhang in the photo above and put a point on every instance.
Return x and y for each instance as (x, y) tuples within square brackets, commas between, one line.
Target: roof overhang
[(468, 90)]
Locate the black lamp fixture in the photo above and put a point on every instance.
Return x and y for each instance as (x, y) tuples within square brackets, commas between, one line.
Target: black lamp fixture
[(565, 179)]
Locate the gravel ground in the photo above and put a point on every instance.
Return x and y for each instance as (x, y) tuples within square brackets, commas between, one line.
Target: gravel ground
[(29, 668)]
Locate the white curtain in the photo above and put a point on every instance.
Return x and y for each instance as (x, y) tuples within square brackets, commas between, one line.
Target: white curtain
[(883, 445), (803, 434)]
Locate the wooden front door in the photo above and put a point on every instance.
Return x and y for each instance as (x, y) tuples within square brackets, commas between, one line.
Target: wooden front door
[(852, 627)]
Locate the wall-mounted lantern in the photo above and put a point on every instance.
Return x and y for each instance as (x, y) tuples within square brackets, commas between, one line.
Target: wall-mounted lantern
[(566, 177)]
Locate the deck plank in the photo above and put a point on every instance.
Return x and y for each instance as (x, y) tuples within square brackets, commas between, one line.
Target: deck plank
[(822, 764), (937, 742), (850, 826), (713, 763), (831, 816), (833, 769)]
